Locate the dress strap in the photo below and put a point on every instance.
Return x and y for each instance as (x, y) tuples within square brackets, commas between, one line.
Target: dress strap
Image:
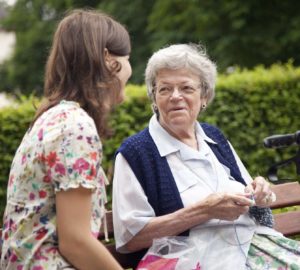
[(106, 239)]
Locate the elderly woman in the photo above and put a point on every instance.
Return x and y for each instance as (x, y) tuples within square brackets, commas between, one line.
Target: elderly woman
[(182, 177)]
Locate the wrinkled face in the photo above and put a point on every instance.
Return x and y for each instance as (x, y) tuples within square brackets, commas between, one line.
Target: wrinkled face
[(124, 74), (177, 96)]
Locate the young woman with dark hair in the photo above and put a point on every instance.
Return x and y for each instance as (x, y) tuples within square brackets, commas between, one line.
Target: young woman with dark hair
[(56, 187)]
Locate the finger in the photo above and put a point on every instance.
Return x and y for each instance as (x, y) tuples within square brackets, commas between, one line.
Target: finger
[(266, 189), (259, 193), (241, 200), (258, 183), (270, 198), (249, 189)]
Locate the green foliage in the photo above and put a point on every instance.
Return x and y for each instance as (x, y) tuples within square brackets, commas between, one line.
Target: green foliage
[(129, 118), (249, 106), (14, 122), (243, 33), (236, 33), (134, 15), (34, 23)]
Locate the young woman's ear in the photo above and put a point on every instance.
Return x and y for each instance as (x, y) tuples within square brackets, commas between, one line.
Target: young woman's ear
[(107, 57)]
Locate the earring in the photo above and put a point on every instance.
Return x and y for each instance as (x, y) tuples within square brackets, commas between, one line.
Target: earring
[(203, 106)]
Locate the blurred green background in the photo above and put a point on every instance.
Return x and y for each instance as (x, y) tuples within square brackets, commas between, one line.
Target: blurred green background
[(255, 45), (235, 33)]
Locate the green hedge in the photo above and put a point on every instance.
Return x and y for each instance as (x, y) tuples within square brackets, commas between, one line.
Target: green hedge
[(249, 105)]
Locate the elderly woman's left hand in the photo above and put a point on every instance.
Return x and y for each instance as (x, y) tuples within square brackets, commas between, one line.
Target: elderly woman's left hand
[(261, 191)]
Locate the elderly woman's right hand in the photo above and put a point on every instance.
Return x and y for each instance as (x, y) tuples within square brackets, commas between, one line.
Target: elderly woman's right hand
[(227, 206)]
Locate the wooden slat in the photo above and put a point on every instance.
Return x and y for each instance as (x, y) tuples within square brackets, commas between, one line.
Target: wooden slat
[(109, 220), (288, 223), (287, 195)]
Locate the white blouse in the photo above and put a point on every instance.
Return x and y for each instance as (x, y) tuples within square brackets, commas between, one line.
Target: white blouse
[(197, 174)]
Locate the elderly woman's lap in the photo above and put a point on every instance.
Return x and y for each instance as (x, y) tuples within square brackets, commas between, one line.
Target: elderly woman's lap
[(275, 252)]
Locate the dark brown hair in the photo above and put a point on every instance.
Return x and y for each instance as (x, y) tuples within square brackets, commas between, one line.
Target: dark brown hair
[(76, 68)]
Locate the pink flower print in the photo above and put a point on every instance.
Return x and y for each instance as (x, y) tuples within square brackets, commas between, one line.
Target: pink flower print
[(79, 137), (20, 267), (13, 258), (60, 168), (42, 194), (31, 196), (51, 159), (47, 177), (11, 180), (80, 165), (62, 115), (51, 250), (39, 256), (198, 267), (50, 124), (41, 158), (41, 233), (40, 134), (23, 159)]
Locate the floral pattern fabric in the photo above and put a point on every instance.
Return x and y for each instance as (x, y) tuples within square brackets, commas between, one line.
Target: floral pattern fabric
[(273, 253), (61, 151)]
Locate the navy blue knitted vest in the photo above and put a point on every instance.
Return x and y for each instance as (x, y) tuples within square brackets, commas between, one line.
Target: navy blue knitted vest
[(155, 177)]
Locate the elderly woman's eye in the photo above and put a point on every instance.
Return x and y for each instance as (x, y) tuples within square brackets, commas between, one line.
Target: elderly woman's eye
[(188, 89), (164, 90)]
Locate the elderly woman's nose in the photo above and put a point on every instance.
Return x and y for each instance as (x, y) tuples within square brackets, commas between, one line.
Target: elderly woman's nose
[(176, 92)]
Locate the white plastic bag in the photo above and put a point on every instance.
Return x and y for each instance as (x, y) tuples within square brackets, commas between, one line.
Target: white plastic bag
[(171, 253)]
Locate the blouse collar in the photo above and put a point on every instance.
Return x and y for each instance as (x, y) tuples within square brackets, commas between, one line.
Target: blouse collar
[(168, 144)]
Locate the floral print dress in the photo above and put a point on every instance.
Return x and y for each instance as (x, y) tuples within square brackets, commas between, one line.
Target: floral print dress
[(61, 151)]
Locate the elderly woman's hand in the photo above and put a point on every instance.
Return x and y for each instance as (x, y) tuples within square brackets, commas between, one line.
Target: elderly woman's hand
[(261, 191), (227, 206)]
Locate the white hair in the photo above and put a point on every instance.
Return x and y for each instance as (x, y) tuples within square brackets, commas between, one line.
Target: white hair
[(189, 56)]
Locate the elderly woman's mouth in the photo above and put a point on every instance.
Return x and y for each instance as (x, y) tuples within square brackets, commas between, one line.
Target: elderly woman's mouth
[(177, 109)]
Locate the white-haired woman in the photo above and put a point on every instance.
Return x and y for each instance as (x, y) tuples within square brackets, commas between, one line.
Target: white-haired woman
[(182, 177)]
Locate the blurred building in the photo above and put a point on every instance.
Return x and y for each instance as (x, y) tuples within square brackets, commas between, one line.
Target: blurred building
[(7, 43), (7, 39)]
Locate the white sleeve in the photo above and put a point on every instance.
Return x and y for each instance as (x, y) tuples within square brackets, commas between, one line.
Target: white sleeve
[(245, 174), (131, 209)]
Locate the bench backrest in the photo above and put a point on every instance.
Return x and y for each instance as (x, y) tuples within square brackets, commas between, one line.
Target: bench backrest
[(287, 194)]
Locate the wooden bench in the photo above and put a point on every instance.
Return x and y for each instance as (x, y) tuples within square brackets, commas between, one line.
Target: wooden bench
[(288, 223), (287, 194)]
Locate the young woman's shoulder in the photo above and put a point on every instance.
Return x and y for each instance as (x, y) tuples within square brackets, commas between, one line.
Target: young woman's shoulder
[(67, 111), (65, 117)]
